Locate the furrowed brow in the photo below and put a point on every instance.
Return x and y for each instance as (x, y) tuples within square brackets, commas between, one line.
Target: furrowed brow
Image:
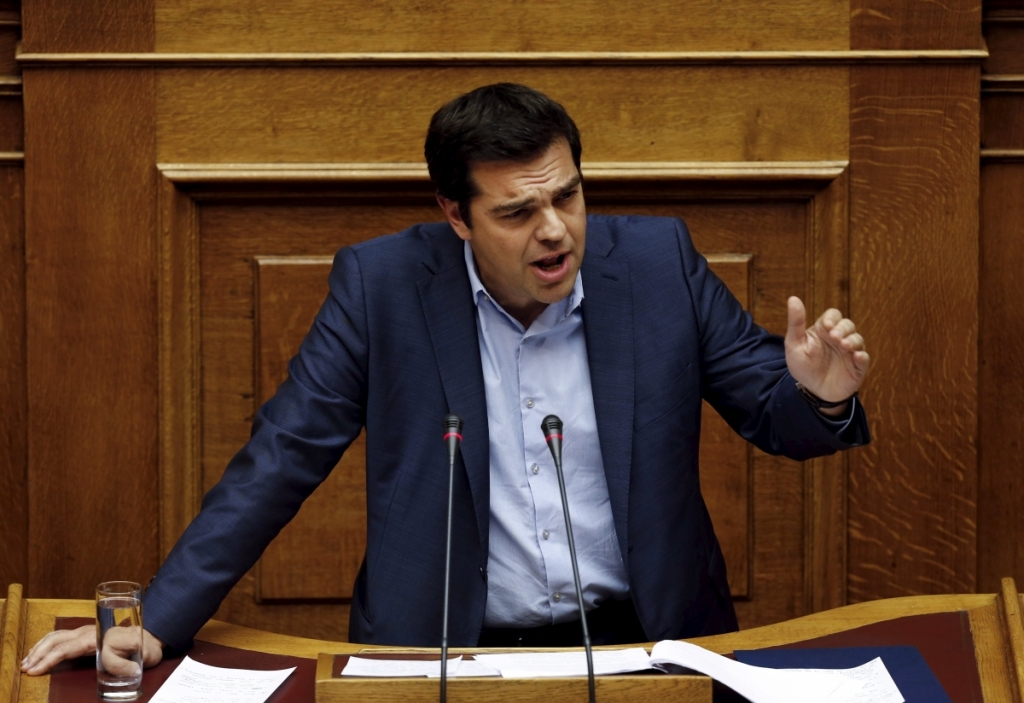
[(514, 205)]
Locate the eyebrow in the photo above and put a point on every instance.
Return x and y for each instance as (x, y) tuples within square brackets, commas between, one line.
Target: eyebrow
[(517, 204)]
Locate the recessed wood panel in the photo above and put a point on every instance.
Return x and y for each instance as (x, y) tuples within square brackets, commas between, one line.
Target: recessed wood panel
[(1005, 47), (1002, 126), (763, 536), (317, 555), (346, 114), (531, 25)]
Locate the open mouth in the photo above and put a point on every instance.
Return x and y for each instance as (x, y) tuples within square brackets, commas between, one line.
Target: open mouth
[(551, 263)]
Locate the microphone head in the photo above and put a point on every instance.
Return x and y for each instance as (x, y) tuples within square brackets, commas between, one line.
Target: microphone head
[(551, 425), (452, 423)]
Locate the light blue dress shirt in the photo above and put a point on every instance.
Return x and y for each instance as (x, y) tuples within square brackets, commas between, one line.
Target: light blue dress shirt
[(529, 374)]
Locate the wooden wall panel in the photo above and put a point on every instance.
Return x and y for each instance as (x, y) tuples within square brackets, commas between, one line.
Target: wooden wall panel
[(1001, 382), (339, 114), (914, 262), (13, 448), (88, 26), (13, 399), (530, 25), (915, 24), (90, 235), (1001, 342)]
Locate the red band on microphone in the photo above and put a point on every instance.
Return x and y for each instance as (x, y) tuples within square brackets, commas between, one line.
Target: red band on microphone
[(553, 435), (452, 434)]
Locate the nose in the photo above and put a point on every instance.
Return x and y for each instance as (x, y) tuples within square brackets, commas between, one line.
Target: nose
[(551, 226)]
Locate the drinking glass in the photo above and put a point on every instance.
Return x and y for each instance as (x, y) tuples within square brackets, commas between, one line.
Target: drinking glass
[(119, 640)]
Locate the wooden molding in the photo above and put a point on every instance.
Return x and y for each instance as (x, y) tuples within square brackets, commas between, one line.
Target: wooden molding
[(1002, 155), (180, 402), (526, 58), (10, 86), (12, 639), (1013, 632), (1002, 83)]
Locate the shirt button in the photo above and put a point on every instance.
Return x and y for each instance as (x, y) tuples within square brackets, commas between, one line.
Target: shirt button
[(529, 402), (535, 469), (545, 534), (557, 597)]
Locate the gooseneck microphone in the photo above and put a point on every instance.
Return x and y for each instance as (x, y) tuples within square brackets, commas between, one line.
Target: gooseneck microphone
[(552, 428), (452, 437)]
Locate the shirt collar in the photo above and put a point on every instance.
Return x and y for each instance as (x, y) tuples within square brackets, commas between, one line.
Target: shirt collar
[(480, 292)]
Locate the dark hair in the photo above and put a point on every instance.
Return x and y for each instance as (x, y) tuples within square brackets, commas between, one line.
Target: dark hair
[(499, 122)]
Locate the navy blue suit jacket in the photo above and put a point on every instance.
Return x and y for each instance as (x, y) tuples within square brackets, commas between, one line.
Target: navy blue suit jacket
[(394, 348)]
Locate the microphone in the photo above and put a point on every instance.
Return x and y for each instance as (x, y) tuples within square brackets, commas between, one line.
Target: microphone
[(552, 428), (452, 436)]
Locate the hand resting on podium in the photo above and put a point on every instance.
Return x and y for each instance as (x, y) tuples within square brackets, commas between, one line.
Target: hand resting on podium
[(61, 645)]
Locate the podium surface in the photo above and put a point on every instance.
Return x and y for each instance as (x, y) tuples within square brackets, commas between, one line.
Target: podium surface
[(995, 622)]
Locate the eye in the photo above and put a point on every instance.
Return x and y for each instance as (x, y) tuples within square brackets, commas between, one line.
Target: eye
[(568, 195), (514, 215)]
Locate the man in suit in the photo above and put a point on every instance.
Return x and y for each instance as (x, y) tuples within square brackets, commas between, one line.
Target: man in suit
[(518, 306)]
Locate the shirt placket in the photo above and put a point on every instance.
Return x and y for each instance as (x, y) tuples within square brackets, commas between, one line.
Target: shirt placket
[(542, 478)]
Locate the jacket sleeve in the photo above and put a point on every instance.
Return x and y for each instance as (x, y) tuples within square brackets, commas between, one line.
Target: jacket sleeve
[(744, 374)]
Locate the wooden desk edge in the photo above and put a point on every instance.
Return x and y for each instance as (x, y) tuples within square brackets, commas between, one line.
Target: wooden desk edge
[(984, 608)]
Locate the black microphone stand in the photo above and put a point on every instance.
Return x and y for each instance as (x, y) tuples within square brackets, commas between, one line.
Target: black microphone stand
[(552, 427), (452, 437)]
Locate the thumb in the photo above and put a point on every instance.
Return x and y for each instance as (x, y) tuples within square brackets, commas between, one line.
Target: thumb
[(797, 327)]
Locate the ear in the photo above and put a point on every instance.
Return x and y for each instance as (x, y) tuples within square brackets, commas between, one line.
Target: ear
[(451, 211)]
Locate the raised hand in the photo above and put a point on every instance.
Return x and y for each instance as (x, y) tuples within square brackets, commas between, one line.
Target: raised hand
[(828, 358)]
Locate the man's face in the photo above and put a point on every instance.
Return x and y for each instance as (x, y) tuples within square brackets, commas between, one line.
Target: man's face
[(529, 229)]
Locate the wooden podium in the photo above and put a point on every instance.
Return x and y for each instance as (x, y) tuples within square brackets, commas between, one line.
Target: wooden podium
[(996, 631)]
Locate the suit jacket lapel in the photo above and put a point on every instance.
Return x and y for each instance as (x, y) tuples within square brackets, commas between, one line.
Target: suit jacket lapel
[(608, 326), (451, 321)]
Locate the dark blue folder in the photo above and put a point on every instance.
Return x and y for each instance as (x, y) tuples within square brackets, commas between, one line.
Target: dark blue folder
[(907, 667)]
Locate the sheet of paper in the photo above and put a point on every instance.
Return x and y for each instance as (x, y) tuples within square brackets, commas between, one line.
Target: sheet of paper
[(541, 664), (762, 685), (470, 668), (868, 683), (399, 668), (194, 682)]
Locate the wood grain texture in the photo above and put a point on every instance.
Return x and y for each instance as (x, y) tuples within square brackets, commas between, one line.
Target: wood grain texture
[(1001, 378), (531, 25), (88, 25), (13, 398), (91, 331), (825, 478), (914, 295), (915, 24), (738, 113)]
